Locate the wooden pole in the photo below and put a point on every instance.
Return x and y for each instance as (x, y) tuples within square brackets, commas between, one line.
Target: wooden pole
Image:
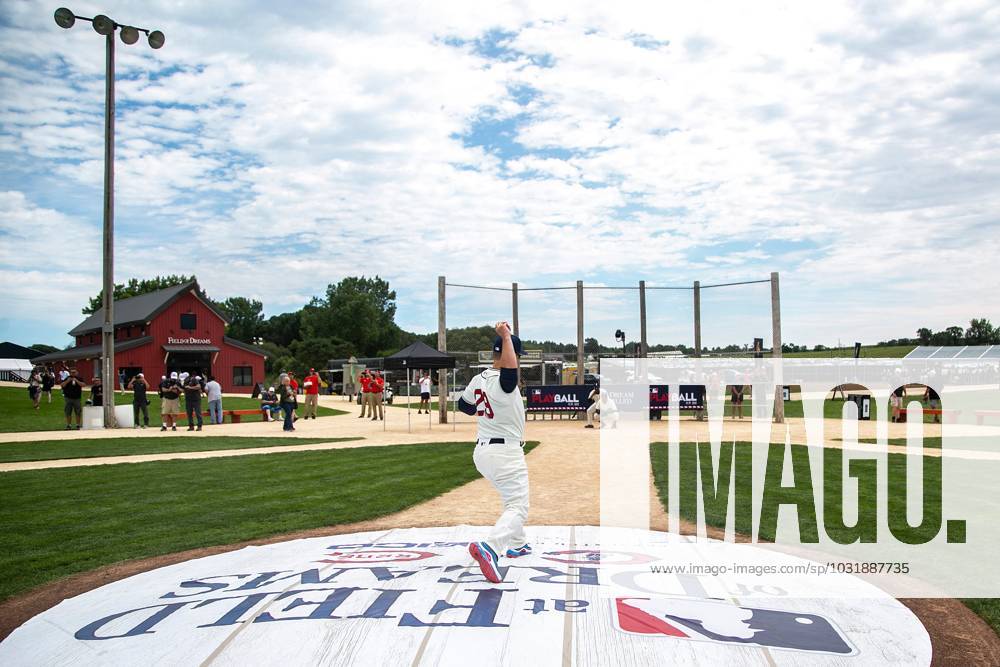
[(579, 336), (642, 319), (443, 347), (697, 318), (108, 374), (779, 403)]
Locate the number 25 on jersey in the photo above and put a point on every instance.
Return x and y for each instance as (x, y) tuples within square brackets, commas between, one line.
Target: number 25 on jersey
[(483, 407)]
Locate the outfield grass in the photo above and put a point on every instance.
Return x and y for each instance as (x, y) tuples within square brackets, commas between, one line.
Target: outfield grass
[(867, 352), (19, 416), (46, 450), (987, 608), (63, 521)]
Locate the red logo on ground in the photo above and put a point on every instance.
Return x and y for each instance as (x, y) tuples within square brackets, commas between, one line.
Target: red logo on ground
[(390, 556)]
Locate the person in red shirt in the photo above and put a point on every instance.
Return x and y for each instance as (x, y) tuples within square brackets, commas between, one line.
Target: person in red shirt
[(294, 384), (365, 381), (377, 387), (311, 385)]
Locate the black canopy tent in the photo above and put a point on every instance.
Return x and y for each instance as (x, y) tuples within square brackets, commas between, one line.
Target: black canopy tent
[(418, 356)]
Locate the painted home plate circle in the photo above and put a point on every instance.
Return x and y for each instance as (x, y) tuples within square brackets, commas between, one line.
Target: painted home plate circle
[(415, 597)]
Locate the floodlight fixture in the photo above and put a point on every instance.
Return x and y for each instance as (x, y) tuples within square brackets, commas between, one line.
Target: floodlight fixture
[(103, 25), (65, 18), (129, 34)]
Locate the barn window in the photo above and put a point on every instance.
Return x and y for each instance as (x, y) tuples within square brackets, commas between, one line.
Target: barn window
[(242, 376), (189, 321)]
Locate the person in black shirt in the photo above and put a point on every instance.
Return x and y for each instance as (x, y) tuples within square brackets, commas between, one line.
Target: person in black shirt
[(170, 404), (72, 391), (933, 402), (192, 400), (139, 387), (48, 381), (97, 392)]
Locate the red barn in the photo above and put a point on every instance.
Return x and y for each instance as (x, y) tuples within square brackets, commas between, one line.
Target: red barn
[(173, 329)]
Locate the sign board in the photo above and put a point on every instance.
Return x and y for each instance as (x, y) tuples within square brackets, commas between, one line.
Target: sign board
[(551, 398), (786, 393), (692, 397), (415, 597)]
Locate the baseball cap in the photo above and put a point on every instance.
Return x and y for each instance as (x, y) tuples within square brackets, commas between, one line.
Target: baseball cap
[(173, 375), (498, 344)]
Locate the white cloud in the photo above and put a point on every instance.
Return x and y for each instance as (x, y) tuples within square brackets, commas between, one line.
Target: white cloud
[(852, 147)]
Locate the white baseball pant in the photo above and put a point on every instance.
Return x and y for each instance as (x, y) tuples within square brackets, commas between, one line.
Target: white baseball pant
[(504, 466)]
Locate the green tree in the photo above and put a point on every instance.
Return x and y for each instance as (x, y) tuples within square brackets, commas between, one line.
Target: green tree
[(981, 332), (43, 348), (282, 329), (317, 352), (136, 287), (924, 335), (359, 311), (245, 318)]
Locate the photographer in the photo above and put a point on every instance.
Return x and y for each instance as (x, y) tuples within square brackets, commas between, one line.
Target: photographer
[(140, 403), (192, 400), (170, 392), (72, 391)]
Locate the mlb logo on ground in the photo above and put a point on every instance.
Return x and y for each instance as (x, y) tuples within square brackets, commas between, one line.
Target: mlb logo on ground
[(724, 623)]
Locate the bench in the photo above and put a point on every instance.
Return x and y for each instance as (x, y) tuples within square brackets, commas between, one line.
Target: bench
[(899, 414), (983, 414), (234, 415)]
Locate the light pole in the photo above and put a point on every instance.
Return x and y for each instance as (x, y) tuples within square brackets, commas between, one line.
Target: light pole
[(130, 35)]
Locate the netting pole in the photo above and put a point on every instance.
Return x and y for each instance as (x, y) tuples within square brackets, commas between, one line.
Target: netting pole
[(697, 318), (516, 329), (443, 347), (579, 335), (779, 402), (642, 318)]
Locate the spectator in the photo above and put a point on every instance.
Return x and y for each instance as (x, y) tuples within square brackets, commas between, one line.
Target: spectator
[(286, 397), (170, 405), (97, 392), (269, 405), (933, 402), (48, 381), (214, 392), (377, 387), (365, 381), (425, 393), (192, 400), (35, 387), (311, 385), (736, 397), (72, 391), (121, 381), (140, 401), (294, 384), (63, 376)]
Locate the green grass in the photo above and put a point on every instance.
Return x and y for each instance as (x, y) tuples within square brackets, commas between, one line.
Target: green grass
[(18, 415), (64, 521), (45, 450), (867, 352), (715, 515)]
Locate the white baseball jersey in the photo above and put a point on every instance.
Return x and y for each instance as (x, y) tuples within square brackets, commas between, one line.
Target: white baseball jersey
[(498, 414), (425, 385)]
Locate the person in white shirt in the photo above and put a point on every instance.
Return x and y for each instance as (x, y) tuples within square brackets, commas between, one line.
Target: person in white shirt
[(425, 393), (214, 391), (494, 398)]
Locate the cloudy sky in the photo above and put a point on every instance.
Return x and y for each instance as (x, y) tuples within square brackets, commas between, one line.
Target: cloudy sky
[(854, 148)]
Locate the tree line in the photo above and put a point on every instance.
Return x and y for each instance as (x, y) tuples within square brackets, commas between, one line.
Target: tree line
[(356, 317)]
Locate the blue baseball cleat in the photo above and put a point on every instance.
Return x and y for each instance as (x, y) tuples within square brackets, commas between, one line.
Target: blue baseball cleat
[(487, 559), (523, 550)]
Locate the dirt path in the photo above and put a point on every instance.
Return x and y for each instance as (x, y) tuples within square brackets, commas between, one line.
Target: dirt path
[(564, 472)]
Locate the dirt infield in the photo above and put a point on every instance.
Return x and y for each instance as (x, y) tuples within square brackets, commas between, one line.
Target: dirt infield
[(564, 471)]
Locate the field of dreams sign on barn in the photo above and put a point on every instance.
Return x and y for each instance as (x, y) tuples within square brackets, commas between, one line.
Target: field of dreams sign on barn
[(414, 596)]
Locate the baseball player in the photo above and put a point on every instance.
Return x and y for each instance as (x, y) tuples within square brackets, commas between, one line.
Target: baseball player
[(494, 398)]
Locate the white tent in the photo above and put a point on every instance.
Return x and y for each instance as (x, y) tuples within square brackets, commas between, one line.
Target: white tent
[(15, 370)]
